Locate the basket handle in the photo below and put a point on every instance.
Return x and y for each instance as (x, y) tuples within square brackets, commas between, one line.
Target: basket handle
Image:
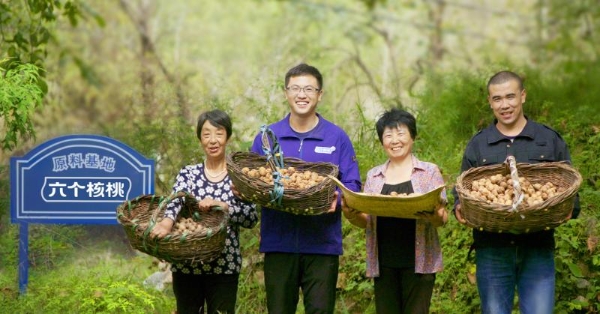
[(274, 154), (518, 195), (275, 161), (167, 200), (175, 195), (163, 202)]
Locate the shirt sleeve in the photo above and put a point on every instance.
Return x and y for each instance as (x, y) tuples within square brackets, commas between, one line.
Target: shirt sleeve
[(242, 213), (348, 166), (257, 145), (174, 207), (437, 179)]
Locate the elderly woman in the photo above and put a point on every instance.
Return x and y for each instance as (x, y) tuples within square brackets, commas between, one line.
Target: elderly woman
[(403, 255), (216, 282)]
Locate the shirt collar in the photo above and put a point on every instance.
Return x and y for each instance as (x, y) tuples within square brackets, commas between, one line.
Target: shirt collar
[(317, 133), (417, 165), (495, 135)]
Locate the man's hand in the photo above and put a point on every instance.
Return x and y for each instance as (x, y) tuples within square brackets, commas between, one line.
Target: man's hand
[(458, 215), (235, 192), (333, 206)]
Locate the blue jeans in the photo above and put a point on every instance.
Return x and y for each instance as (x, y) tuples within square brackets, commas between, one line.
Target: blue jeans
[(530, 270)]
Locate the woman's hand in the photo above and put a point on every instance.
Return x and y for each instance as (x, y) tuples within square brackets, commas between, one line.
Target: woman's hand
[(206, 204), (437, 218), (354, 216), (162, 228)]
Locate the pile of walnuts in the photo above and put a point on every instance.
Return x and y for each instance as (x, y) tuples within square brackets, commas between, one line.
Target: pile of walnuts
[(290, 177), (394, 193), (181, 226), (186, 224), (499, 189)]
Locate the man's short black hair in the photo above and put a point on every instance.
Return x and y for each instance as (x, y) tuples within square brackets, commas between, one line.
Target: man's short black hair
[(503, 77), (304, 69)]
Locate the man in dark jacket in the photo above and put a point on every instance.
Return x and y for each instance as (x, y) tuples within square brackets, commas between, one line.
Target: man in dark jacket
[(302, 252), (504, 260)]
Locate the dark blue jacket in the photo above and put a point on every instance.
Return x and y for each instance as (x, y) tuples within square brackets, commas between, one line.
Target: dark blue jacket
[(320, 234)]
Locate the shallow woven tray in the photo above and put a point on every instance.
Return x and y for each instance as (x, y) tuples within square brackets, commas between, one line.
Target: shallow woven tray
[(547, 215), (311, 201), (392, 206), (139, 216)]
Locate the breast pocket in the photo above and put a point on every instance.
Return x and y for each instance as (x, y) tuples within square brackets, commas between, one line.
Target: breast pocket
[(491, 159), (540, 155)]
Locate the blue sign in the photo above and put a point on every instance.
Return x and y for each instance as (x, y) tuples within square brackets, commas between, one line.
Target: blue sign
[(77, 179)]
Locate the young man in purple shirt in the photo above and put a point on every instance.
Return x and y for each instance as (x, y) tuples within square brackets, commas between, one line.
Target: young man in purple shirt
[(302, 252)]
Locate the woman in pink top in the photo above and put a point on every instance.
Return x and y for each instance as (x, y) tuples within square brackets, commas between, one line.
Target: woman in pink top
[(403, 255)]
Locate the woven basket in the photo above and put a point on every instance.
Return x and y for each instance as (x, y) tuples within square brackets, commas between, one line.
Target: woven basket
[(314, 200), (139, 216), (547, 215), (392, 206)]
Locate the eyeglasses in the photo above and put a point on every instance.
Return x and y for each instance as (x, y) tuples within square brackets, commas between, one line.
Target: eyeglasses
[(308, 90)]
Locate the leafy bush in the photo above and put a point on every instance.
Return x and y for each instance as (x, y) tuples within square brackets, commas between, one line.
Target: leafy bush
[(96, 283)]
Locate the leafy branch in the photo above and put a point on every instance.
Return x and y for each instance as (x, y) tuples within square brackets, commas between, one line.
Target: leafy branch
[(20, 95)]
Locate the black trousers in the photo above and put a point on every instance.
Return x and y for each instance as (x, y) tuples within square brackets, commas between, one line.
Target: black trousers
[(192, 291), (286, 273), (401, 290)]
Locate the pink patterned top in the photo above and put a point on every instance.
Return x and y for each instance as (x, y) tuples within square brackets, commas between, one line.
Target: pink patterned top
[(428, 253)]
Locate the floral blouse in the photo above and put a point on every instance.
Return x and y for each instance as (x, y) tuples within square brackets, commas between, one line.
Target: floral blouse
[(192, 180), (428, 253)]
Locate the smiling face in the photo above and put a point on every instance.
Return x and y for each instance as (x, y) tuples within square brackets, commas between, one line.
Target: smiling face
[(397, 142), (506, 100), (213, 140), (303, 104)]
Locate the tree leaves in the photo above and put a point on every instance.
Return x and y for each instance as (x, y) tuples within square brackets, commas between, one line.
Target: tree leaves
[(20, 95)]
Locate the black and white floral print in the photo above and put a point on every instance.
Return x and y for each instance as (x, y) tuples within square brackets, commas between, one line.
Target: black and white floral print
[(191, 179)]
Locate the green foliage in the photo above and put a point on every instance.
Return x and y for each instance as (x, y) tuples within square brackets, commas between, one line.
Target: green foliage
[(47, 244), (27, 29), (20, 96), (171, 145), (118, 297), (251, 288), (574, 27), (578, 285), (356, 290), (91, 283)]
